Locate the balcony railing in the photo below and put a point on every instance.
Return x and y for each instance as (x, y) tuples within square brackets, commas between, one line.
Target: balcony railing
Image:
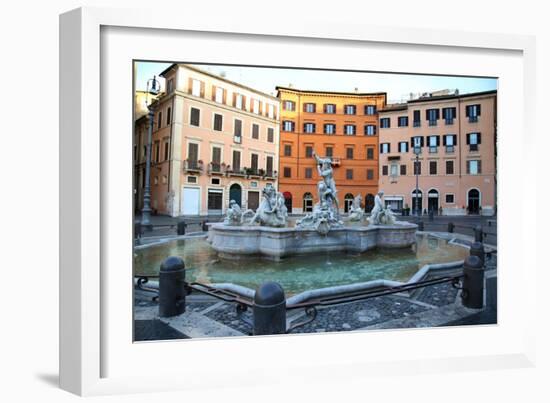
[(192, 166), (416, 123), (433, 149), (449, 121), (472, 119), (215, 168), (270, 174), (449, 149), (235, 171), (474, 147), (432, 123)]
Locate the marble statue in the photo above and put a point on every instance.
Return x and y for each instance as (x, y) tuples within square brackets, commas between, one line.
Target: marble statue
[(234, 215), (380, 215), (356, 212), (272, 211), (325, 213)]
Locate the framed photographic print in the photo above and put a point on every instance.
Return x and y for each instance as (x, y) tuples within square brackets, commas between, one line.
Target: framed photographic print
[(265, 195)]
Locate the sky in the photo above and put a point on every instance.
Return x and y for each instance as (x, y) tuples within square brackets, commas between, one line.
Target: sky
[(397, 86)]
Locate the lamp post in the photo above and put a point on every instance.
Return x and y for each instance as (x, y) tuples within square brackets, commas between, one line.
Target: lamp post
[(416, 169), (152, 89)]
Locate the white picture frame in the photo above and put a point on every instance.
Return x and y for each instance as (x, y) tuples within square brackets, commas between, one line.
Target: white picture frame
[(96, 355)]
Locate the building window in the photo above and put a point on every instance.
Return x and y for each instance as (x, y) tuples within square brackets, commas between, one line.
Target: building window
[(449, 167), (416, 119), (403, 147), (402, 121), (433, 143), (159, 123), (449, 114), (288, 126), (254, 163), (270, 135), (432, 116), (349, 173), (329, 108), (384, 123), (218, 122), (473, 167), (236, 161), (286, 172), (195, 117), (449, 198), (350, 109), (170, 85), (255, 131), (403, 170), (289, 105), (384, 148), (308, 203), (287, 150), (309, 107), (215, 181), (370, 174), (433, 167), (269, 166), (393, 170), (308, 173), (370, 109), (328, 151), (238, 132), (370, 130), (168, 116), (271, 111), (473, 112), (417, 168), (219, 95), (196, 88), (349, 130), (329, 128), (157, 151), (349, 153), (309, 152), (239, 102), (384, 170), (166, 150), (309, 127), (450, 143), (191, 179), (473, 140), (370, 153)]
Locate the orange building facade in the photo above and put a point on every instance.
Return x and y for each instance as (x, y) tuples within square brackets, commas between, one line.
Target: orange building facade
[(343, 126)]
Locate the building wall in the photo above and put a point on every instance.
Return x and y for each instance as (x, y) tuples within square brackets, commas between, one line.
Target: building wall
[(297, 184), (460, 181), (174, 178)]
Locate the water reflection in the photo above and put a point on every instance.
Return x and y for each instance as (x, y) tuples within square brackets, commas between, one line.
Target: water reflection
[(299, 273)]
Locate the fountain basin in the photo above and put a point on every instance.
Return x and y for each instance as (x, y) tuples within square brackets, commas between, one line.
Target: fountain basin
[(242, 242)]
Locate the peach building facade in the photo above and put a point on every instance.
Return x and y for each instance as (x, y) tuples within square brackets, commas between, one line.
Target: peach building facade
[(343, 126), (213, 140), (456, 136)]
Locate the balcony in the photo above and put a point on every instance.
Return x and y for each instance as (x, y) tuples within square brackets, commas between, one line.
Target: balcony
[(254, 172), (449, 149), (235, 171), (474, 147), (449, 121), (270, 174), (335, 161), (416, 123), (473, 119), (192, 166), (432, 123), (433, 149), (215, 168)]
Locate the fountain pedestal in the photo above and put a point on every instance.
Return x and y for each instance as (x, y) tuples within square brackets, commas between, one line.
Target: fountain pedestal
[(241, 242)]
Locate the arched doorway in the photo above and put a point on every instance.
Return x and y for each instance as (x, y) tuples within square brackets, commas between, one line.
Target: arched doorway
[(235, 193), (369, 203), (473, 201), (288, 201), (416, 202), (348, 201), (433, 201), (307, 203)]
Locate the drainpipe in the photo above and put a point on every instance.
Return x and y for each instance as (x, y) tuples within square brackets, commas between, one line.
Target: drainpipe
[(170, 151)]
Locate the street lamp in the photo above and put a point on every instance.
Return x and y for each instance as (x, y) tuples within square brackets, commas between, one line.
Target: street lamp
[(417, 151), (153, 87)]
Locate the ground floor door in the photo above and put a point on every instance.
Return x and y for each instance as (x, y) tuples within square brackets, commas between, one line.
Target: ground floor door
[(253, 200), (433, 204), (473, 201), (235, 193), (215, 202), (190, 201)]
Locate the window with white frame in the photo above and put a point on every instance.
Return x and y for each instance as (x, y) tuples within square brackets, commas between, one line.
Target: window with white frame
[(433, 142), (384, 148), (330, 128), (474, 167), (393, 169), (288, 126), (370, 130), (350, 109), (309, 107), (349, 130), (417, 141), (219, 95), (330, 108), (289, 105), (196, 88), (370, 109)]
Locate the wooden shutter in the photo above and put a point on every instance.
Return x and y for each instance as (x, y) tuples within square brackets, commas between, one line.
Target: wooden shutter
[(468, 138), (381, 151), (454, 140), (269, 164), (203, 85), (478, 110), (468, 167), (467, 111), (193, 152), (479, 167), (213, 93), (437, 140), (189, 85), (236, 160), (478, 137)]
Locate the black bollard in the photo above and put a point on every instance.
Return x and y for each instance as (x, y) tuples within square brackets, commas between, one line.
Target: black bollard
[(472, 296), (172, 287), (269, 309), (137, 230), (450, 227), (181, 227), (478, 233), (478, 250), (204, 226), (421, 225)]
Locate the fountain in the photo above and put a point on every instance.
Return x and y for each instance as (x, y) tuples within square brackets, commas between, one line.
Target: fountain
[(266, 232)]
